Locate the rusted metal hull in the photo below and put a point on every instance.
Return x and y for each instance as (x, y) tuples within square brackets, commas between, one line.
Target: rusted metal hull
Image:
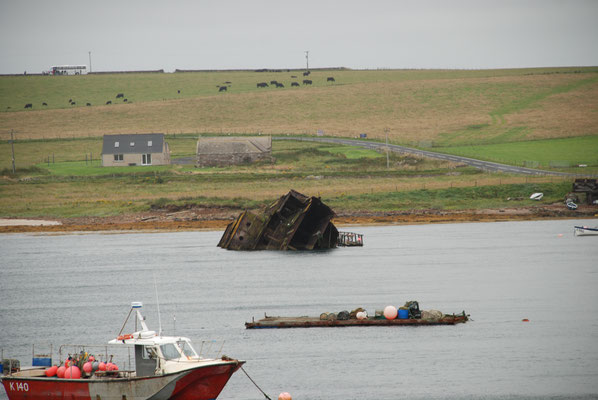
[(314, 322), (201, 383), (294, 222)]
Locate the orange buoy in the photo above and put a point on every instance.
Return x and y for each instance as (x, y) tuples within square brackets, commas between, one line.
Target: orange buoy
[(60, 372), (102, 366), (284, 396), (525, 320), (51, 371)]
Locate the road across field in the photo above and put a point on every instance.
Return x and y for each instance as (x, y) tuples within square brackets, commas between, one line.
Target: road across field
[(484, 165)]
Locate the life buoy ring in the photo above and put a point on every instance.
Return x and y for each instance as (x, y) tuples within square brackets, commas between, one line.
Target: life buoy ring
[(125, 337)]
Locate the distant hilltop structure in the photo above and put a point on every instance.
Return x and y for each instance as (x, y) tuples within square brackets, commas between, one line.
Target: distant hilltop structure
[(232, 150)]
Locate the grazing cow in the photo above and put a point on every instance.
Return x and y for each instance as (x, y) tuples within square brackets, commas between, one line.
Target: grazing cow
[(294, 83), (294, 76), (279, 85), (306, 73), (125, 100), (109, 102), (228, 82), (88, 104), (28, 105), (330, 79), (222, 89), (262, 84), (120, 95), (44, 104), (70, 101), (307, 82), (73, 103), (273, 82), (178, 91)]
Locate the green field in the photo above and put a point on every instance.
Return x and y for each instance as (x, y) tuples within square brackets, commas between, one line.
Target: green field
[(543, 118)]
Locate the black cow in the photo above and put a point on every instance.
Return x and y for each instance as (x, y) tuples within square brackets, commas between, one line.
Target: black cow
[(125, 100), (330, 79), (178, 91), (293, 76), (262, 84), (279, 85), (44, 104), (70, 101), (228, 82), (306, 73), (28, 105), (73, 103), (88, 104), (307, 82), (273, 82), (109, 102), (222, 89), (120, 95), (294, 83)]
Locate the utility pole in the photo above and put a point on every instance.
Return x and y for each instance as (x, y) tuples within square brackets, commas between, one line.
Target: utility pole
[(307, 60), (89, 61), (386, 130), (12, 146)]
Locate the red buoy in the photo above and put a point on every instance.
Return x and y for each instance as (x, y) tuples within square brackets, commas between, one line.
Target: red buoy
[(60, 372), (87, 367), (102, 366), (91, 358), (525, 320), (51, 371), (72, 372)]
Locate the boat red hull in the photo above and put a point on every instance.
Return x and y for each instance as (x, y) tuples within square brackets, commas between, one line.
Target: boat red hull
[(201, 383)]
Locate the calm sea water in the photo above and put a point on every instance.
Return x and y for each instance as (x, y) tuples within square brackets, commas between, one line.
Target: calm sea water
[(78, 288)]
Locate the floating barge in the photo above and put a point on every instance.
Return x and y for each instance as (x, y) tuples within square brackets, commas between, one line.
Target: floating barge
[(316, 322)]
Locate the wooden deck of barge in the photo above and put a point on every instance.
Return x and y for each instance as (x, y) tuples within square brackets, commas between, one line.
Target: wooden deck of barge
[(314, 322)]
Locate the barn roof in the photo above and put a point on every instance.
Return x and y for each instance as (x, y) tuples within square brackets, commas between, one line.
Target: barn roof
[(133, 144)]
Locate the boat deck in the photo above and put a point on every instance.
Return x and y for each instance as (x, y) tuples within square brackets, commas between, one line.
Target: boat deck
[(314, 322)]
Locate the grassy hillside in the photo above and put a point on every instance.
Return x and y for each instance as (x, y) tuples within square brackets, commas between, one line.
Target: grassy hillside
[(426, 108)]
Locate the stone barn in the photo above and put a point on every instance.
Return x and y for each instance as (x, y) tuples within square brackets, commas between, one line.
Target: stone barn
[(232, 150), (136, 149)]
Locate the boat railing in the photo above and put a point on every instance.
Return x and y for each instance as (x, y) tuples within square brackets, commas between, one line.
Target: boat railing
[(208, 347)]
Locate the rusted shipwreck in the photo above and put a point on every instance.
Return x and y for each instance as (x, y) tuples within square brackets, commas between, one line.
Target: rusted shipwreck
[(294, 222)]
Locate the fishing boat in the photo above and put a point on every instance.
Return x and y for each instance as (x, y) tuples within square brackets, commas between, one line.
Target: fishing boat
[(585, 231), (166, 367)]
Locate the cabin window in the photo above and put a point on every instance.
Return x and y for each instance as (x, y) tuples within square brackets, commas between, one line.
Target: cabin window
[(170, 352), (118, 157), (116, 144), (148, 353), (187, 349), (146, 159), (149, 143)]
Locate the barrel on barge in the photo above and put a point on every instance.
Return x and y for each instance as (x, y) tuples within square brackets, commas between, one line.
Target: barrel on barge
[(314, 322)]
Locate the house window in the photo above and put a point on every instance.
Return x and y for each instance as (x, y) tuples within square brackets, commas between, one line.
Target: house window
[(118, 157), (149, 143), (146, 159), (132, 144), (116, 144)]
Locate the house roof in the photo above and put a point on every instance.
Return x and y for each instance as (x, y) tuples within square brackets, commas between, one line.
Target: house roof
[(121, 144)]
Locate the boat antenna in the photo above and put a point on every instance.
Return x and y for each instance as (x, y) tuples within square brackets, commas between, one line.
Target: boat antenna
[(158, 303)]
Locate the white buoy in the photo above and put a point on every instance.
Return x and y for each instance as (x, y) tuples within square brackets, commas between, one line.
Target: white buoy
[(390, 312), (361, 315)]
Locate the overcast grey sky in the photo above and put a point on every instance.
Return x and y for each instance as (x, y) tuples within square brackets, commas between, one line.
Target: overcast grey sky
[(222, 34)]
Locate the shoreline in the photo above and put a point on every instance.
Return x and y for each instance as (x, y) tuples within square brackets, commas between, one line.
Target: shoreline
[(218, 219)]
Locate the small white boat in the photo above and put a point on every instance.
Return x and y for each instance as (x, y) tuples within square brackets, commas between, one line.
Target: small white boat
[(536, 196), (571, 205), (166, 367), (586, 231)]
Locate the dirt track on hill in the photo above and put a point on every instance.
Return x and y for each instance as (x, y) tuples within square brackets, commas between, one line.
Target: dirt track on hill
[(217, 219)]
